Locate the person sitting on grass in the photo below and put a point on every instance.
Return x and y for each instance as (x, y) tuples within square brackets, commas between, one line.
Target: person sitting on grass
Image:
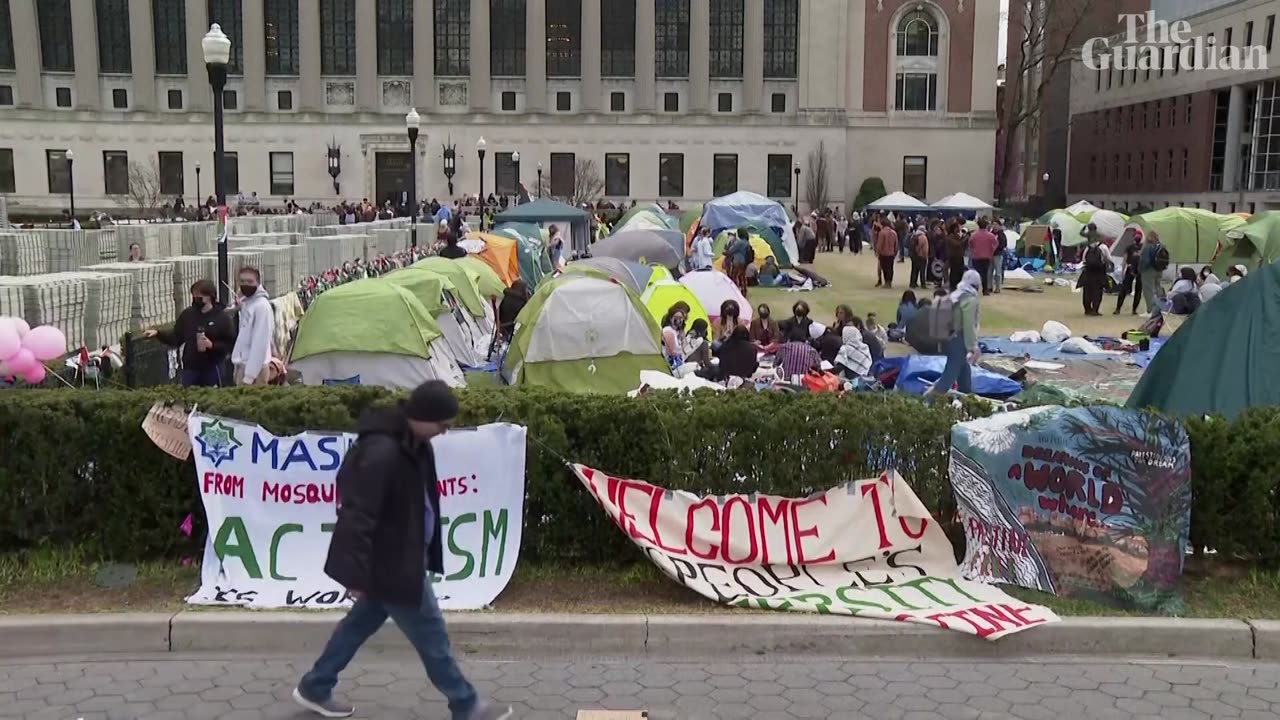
[(738, 356), (764, 329), (797, 357), (854, 358), (824, 341), (770, 274), (1184, 296)]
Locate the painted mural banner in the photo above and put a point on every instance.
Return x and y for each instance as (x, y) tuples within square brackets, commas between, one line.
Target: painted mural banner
[(1090, 502), (868, 549), (271, 502)]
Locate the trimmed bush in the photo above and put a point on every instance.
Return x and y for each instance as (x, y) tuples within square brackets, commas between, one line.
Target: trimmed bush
[(76, 468)]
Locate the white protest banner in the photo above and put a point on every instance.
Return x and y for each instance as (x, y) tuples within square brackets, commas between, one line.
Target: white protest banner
[(868, 548), (272, 501)]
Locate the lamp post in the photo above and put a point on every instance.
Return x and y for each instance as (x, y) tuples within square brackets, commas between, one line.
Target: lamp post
[(796, 190), (217, 54), (515, 158), (335, 164), (412, 122), (539, 180), (199, 201), (480, 152), (71, 185)]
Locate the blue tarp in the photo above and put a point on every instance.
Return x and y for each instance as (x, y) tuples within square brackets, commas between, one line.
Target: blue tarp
[(1048, 352), (916, 373)]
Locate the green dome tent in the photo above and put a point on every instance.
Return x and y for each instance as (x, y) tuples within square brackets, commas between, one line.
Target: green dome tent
[(371, 332), (1253, 244), (1190, 234), (439, 295), (586, 334), (465, 280), (489, 282), (1224, 357)]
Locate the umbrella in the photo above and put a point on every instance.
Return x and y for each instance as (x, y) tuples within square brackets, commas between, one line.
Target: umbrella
[(642, 246), (632, 274)]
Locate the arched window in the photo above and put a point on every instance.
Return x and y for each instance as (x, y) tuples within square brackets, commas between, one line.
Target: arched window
[(918, 34), (917, 69)]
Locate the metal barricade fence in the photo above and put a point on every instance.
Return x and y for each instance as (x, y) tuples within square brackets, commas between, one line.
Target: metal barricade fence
[(149, 362)]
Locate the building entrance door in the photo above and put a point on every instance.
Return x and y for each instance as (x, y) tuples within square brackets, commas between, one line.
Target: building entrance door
[(391, 177)]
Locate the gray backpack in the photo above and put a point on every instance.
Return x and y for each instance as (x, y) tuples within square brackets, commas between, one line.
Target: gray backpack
[(941, 317)]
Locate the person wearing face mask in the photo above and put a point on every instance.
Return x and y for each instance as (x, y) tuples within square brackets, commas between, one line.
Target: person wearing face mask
[(257, 328), (764, 329), (205, 333), (799, 321), (673, 338), (385, 548)]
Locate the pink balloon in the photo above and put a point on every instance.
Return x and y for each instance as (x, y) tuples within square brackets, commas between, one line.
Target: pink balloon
[(23, 327), (45, 342), (10, 343), (36, 375), (22, 362)]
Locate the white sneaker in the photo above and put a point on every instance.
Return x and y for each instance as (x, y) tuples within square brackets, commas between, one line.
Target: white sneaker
[(329, 708)]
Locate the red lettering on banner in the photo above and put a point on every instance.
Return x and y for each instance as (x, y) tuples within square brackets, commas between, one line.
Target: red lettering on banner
[(1001, 618), (655, 504), (300, 493), (689, 531), (628, 519), (874, 491), (215, 483), (770, 517), (812, 531), (1018, 613), (726, 528)]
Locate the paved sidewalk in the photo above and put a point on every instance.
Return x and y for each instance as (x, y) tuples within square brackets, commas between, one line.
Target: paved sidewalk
[(195, 687)]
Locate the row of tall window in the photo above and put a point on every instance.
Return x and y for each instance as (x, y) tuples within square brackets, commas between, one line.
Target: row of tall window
[(169, 166), (452, 36)]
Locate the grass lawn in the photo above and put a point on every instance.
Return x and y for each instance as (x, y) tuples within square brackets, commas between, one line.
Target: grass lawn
[(60, 582), (853, 280)]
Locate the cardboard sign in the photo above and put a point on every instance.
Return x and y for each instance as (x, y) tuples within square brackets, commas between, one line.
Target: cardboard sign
[(166, 425)]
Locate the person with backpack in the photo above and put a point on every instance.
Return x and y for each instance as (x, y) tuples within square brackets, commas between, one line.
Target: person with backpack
[(919, 258), (956, 316), (1093, 276), (1151, 265)]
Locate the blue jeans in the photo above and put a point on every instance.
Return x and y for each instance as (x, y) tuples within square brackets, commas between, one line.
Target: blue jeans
[(425, 629), (206, 377), (957, 372)]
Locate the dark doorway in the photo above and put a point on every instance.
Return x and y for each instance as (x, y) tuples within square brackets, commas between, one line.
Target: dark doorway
[(391, 171)]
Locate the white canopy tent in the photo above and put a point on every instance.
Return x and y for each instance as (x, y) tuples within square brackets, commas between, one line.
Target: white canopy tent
[(962, 202), (897, 201)]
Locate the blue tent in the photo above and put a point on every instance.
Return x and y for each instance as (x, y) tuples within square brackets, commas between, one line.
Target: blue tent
[(742, 209)]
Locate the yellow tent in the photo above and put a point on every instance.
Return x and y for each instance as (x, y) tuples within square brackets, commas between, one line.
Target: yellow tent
[(758, 245), (660, 296)]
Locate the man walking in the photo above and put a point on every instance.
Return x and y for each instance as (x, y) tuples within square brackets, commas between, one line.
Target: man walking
[(384, 544)]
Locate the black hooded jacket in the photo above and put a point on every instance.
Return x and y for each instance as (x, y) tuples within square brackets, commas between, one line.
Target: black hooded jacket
[(217, 327), (384, 485)]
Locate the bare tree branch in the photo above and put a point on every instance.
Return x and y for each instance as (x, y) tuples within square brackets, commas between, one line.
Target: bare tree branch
[(144, 196), (588, 184), (1048, 33), (818, 178)]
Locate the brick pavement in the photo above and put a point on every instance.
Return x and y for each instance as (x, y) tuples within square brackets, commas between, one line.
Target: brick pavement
[(184, 687)]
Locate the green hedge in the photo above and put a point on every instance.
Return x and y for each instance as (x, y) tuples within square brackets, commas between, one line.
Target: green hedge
[(76, 468)]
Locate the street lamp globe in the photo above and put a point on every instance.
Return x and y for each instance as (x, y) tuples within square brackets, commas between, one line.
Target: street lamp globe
[(413, 120), (216, 46), (70, 155), (480, 144), (197, 166), (515, 156), (1045, 177)]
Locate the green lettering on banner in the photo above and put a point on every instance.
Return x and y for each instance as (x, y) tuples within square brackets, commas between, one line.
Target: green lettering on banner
[(495, 530), (470, 564), (327, 528), (239, 546), (820, 601), (842, 593), (949, 582), (275, 548)]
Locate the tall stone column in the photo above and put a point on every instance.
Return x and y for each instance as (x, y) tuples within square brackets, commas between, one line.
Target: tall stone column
[(310, 86), (753, 57), (199, 94), (1235, 128), (700, 55), (26, 52), (368, 88), (480, 86), (255, 54), (646, 55), (591, 88), (424, 42), (535, 63), (84, 36), (142, 51)]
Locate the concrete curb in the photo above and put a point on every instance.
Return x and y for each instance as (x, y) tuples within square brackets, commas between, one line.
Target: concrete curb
[(518, 636)]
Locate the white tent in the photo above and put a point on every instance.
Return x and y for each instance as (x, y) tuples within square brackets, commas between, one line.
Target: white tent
[(897, 201), (1081, 206), (963, 202)]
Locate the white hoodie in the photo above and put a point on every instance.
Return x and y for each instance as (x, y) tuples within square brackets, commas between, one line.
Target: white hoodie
[(257, 328)]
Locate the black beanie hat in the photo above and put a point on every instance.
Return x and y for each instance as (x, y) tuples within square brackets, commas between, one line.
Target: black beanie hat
[(432, 401)]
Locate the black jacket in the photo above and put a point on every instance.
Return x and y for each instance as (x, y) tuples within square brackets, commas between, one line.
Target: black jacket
[(384, 485), (737, 359), (217, 326), (509, 309)]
